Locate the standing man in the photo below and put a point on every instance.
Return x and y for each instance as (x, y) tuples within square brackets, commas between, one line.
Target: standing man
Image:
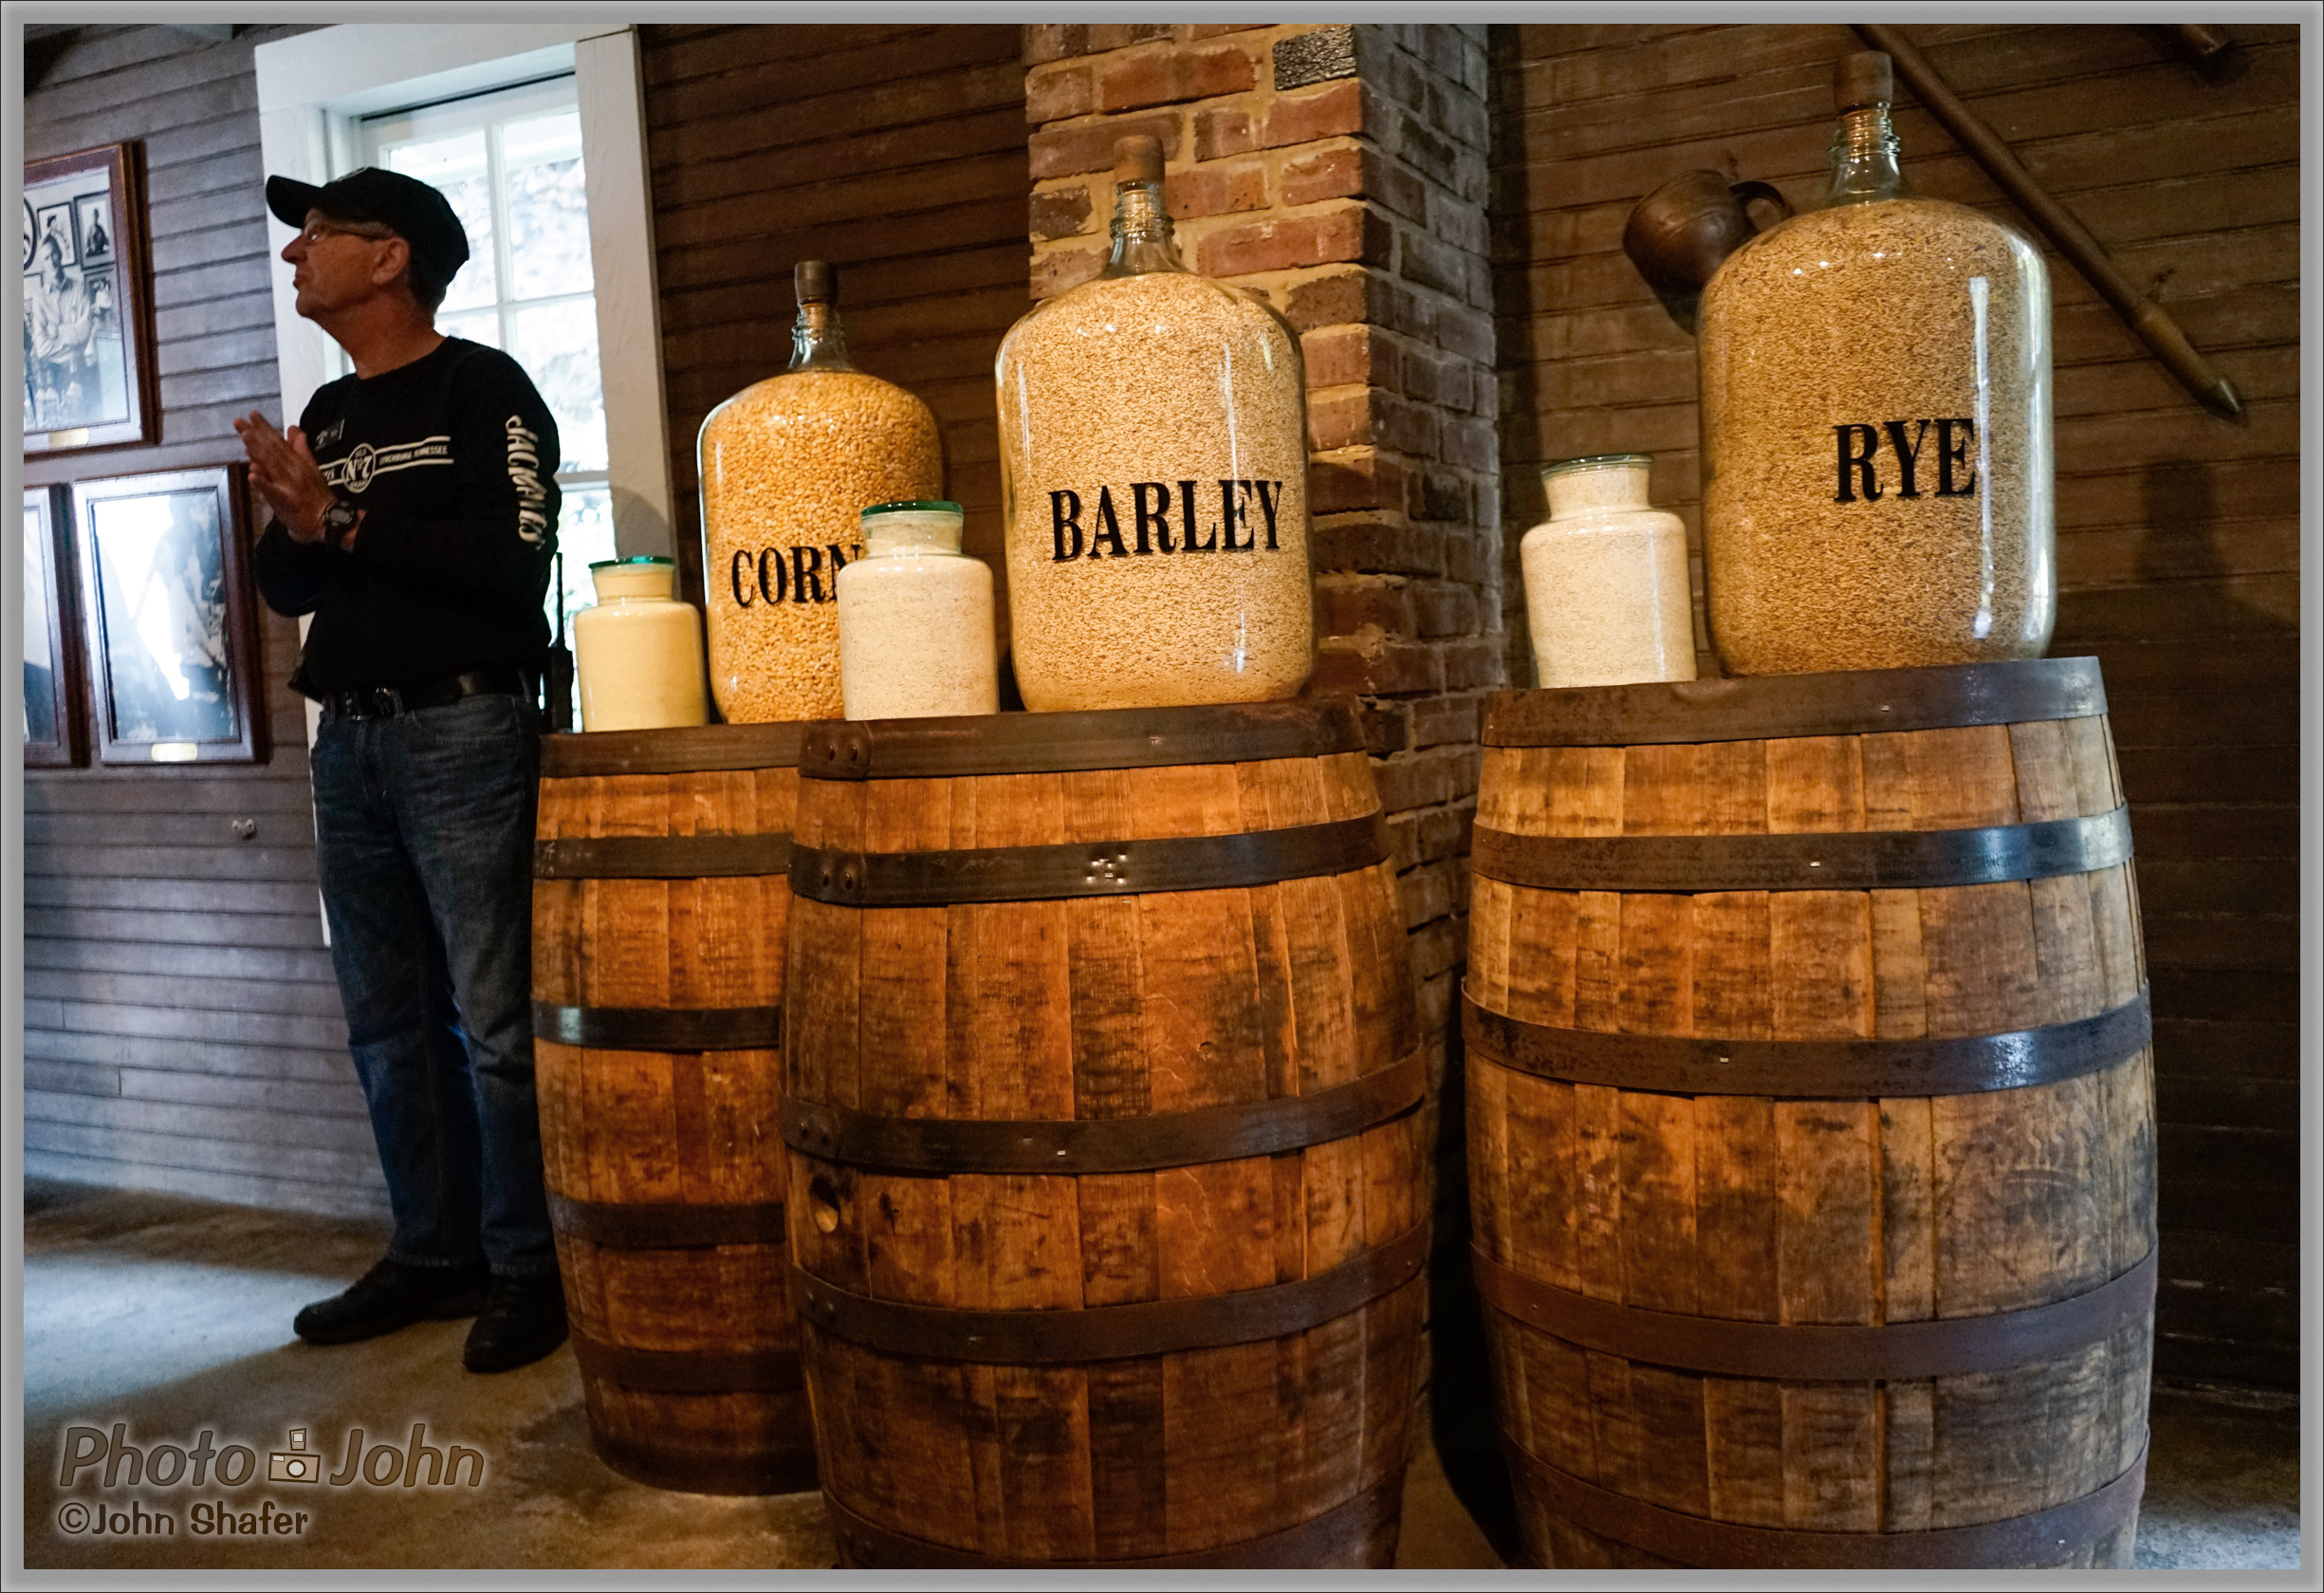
[(415, 516)]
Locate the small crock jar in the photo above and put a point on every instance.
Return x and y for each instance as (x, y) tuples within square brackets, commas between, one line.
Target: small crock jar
[(639, 649), (915, 619), (1605, 591)]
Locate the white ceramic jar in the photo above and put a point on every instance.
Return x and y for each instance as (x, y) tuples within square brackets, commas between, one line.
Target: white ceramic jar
[(640, 649), (915, 619), (1606, 593)]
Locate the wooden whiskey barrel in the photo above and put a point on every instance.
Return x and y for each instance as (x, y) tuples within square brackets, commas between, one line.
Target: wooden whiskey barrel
[(1104, 1099), (1811, 1124), (659, 911)]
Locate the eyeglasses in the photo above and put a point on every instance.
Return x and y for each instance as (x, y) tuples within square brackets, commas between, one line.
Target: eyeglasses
[(315, 231)]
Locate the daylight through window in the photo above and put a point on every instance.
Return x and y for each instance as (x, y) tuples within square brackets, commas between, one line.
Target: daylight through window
[(510, 163)]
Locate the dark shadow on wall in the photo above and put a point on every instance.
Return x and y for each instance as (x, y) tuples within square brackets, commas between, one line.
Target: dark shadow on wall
[(2178, 587), (2220, 668), (1514, 303), (2179, 560), (1461, 1413)]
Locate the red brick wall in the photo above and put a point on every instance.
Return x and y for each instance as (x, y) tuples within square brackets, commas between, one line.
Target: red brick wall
[(1339, 171)]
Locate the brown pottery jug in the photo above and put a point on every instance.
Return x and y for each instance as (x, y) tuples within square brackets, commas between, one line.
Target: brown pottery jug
[(1678, 234)]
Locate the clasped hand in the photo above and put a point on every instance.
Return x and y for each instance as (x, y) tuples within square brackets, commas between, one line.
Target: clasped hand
[(283, 471)]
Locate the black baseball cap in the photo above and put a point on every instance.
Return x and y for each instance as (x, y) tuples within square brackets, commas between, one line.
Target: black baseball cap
[(419, 213)]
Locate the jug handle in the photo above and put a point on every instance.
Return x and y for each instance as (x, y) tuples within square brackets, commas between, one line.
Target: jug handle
[(1751, 188)]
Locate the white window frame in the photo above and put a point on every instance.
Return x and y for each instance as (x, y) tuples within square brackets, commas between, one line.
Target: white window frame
[(313, 88), (546, 96)]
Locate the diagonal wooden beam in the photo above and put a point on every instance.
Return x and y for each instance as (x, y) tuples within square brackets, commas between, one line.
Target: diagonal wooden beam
[(2156, 327)]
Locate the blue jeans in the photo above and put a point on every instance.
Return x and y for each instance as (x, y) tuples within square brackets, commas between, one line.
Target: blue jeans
[(424, 830)]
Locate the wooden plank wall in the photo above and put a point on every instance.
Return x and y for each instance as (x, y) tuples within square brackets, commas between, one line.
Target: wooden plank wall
[(2178, 544), (896, 150), (182, 1030)]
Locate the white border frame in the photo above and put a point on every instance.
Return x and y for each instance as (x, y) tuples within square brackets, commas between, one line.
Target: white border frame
[(309, 88)]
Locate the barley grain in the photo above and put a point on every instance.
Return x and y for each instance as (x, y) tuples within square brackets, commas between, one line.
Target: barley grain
[(1164, 377)]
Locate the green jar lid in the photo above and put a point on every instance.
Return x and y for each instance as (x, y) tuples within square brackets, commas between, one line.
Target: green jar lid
[(1594, 462), (912, 505), (632, 559)]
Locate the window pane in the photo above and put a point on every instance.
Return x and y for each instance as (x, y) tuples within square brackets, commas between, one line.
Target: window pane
[(457, 165), (480, 325), (558, 346), (549, 209), (585, 535)]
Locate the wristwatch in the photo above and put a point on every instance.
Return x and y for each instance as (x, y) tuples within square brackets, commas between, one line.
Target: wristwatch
[(339, 523)]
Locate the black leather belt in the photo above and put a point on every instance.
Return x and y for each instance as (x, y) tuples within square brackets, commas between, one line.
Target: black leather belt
[(383, 703)]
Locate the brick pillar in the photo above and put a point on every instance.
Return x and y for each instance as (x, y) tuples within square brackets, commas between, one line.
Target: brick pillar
[(1341, 172)]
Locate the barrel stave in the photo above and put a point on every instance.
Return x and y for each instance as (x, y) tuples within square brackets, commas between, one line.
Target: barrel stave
[(1252, 1438), (1774, 1241), (1217, 996), (1835, 1211), (728, 1443), (722, 1297), (1096, 1009), (694, 942), (1120, 1459), (725, 1299), (637, 1128)]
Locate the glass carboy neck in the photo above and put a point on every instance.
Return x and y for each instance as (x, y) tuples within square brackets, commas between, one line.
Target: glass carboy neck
[(1143, 240), (1864, 165), (818, 342)]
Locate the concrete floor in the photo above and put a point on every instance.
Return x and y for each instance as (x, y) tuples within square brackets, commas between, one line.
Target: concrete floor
[(173, 1316)]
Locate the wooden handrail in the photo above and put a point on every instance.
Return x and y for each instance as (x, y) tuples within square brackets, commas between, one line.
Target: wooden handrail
[(2156, 327)]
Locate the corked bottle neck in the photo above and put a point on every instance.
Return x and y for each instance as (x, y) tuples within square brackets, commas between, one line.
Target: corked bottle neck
[(1864, 163), (818, 342), (1143, 240)]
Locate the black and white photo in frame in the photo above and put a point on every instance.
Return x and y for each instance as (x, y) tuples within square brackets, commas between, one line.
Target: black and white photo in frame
[(88, 341)]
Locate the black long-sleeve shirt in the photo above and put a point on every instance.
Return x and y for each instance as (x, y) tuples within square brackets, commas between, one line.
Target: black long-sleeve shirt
[(454, 460)]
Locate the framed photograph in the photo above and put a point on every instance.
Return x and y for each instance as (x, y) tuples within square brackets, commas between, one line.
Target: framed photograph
[(56, 233), (89, 377), (55, 733), (170, 623), (93, 225)]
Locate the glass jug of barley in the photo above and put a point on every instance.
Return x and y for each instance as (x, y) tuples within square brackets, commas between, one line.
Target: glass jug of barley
[(1154, 469)]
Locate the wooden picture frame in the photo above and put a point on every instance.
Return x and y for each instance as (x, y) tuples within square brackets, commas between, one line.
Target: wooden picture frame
[(90, 380), (55, 729), (169, 619)]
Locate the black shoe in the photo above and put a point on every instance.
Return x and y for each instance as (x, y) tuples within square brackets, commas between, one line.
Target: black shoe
[(522, 1321), (390, 1296)]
